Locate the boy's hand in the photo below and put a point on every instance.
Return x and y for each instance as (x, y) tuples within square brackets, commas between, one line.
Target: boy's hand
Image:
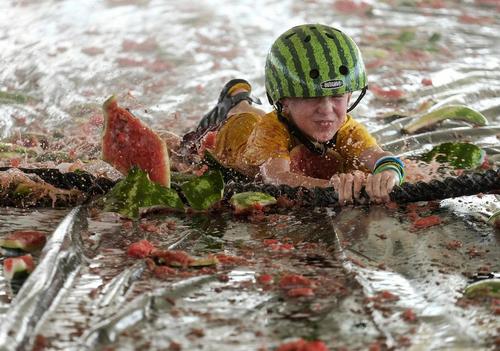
[(378, 186), (348, 186)]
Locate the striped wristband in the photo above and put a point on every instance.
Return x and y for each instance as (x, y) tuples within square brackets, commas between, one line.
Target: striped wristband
[(390, 163)]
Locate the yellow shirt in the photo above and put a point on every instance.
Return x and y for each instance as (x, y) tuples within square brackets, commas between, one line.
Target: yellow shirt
[(246, 141)]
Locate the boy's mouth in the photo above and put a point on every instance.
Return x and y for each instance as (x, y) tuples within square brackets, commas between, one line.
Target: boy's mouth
[(325, 124)]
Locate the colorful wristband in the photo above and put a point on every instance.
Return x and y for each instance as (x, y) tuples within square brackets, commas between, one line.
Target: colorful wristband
[(385, 159), (390, 163)]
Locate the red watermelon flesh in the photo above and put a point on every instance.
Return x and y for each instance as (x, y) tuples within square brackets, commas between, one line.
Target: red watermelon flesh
[(26, 240), (140, 249), (18, 267), (127, 142)]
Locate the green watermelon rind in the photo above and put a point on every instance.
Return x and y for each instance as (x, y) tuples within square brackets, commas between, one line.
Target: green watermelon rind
[(457, 155), (494, 219), (483, 288), (204, 262), (137, 192), (453, 112), (10, 242), (18, 267), (247, 200), (124, 162), (205, 191)]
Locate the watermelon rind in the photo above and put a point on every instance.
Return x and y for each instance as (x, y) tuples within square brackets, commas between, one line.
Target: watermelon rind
[(248, 200), (204, 262), (137, 192), (494, 219), (204, 191), (24, 240), (18, 267), (483, 288), (457, 155), (453, 112)]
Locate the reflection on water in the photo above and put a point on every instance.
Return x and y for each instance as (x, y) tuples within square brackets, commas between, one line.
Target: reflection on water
[(166, 61)]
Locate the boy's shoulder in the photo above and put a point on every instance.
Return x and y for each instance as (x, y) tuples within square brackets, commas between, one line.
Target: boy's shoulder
[(272, 115), (271, 119), (350, 123)]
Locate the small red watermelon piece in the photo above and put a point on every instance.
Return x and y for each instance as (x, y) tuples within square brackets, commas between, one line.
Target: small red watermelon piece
[(18, 267), (303, 345), (174, 258), (128, 142), (293, 281), (140, 249), (26, 240)]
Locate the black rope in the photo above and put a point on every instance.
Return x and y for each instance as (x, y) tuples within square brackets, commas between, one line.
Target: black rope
[(466, 184)]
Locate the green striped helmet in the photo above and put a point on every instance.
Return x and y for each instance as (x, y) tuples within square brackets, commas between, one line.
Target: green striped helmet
[(313, 60)]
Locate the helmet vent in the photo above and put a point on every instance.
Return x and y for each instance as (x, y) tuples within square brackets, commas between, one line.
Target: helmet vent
[(343, 70), (314, 73), (290, 35), (307, 39), (329, 35)]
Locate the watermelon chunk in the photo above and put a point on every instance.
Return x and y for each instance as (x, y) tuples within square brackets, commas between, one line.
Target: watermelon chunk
[(453, 112), (293, 281), (303, 345), (494, 220), (26, 240), (204, 262), (457, 155), (140, 249), (204, 191), (173, 258), (137, 193), (487, 287), (248, 201), (127, 142), (18, 267)]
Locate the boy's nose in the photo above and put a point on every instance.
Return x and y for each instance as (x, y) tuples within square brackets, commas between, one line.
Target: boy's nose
[(325, 104)]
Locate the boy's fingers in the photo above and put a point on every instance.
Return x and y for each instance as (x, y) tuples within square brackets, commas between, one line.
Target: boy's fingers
[(341, 190), (376, 188), (369, 185), (335, 181), (386, 185), (358, 183), (389, 185), (348, 184)]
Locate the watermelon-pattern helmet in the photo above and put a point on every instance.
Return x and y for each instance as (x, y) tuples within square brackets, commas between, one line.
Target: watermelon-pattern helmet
[(313, 60)]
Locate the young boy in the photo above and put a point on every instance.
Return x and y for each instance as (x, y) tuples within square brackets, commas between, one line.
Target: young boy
[(308, 139)]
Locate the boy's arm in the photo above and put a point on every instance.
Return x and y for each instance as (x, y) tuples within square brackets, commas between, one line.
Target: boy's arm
[(277, 171)]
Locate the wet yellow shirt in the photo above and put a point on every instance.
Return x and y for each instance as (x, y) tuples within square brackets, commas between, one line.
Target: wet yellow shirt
[(247, 140)]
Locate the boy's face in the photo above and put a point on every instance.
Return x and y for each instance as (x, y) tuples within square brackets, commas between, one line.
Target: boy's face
[(318, 118)]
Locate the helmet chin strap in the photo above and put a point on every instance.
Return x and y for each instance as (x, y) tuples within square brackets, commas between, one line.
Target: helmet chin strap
[(361, 95)]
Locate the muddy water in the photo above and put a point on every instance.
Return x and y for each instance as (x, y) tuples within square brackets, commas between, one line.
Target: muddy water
[(166, 61)]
